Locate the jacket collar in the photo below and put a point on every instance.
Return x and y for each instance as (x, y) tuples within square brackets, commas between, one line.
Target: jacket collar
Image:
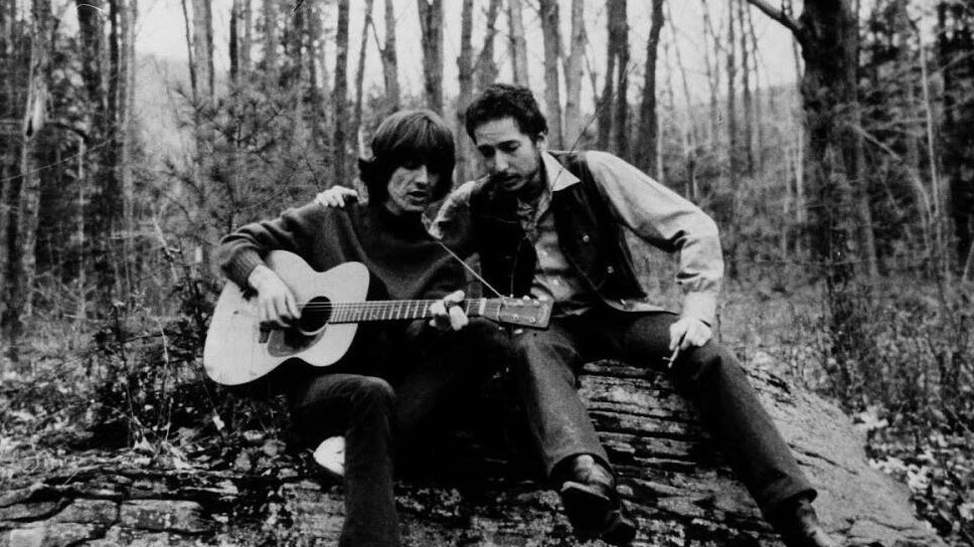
[(556, 176)]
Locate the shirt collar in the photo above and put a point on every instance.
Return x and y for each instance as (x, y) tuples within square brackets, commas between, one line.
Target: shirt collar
[(557, 177)]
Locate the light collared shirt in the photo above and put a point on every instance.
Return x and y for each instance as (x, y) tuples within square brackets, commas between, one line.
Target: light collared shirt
[(652, 211)]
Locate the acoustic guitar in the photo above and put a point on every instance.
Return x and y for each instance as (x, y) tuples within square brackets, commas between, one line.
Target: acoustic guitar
[(240, 349)]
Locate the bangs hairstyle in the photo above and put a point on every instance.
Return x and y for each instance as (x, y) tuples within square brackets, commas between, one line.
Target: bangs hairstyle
[(409, 138), (501, 101)]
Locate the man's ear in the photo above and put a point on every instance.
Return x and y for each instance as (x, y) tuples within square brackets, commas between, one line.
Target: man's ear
[(541, 142)]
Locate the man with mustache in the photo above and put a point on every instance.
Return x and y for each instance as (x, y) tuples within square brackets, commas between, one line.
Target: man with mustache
[(551, 225)]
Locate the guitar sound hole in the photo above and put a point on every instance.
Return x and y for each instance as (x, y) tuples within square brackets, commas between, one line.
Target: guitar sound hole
[(314, 316)]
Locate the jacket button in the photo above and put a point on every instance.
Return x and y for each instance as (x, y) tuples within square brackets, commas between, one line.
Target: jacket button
[(586, 238), (610, 269)]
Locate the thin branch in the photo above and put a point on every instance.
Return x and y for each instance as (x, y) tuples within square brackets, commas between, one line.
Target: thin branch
[(780, 16)]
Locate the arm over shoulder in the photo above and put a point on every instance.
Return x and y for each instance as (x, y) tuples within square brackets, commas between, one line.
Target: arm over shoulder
[(453, 225)]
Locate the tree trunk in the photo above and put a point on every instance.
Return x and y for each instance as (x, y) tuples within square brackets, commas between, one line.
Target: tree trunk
[(757, 150), (317, 80), (712, 69), (247, 39), (573, 77), (613, 106), (203, 47), (431, 26), (955, 42), (748, 117), (235, 20), (8, 150), (390, 58), (550, 28), (690, 137), (465, 67), (485, 69), (645, 153), (732, 143), (126, 127), (99, 125), (518, 44), (620, 29), (340, 94), (270, 42), (729, 216), (26, 200), (360, 72), (838, 212)]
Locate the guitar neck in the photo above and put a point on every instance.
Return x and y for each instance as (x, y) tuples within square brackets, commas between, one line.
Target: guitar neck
[(394, 310)]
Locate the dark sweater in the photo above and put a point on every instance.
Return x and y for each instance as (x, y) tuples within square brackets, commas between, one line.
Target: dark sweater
[(398, 251)]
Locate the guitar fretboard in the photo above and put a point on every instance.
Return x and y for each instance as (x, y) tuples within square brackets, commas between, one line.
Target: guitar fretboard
[(391, 310)]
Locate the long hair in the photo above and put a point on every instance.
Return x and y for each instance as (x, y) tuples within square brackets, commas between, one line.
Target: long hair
[(409, 138)]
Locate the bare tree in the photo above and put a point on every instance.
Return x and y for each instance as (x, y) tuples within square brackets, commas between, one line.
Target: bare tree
[(431, 26), (746, 88), (236, 14), (485, 68), (550, 23), (360, 71), (573, 76), (340, 139), (126, 127), (518, 45), (758, 117), (732, 143), (690, 137), (390, 60), (646, 152), (841, 230), (613, 106), (270, 41), (712, 70), (203, 47), (955, 34), (26, 194), (465, 67)]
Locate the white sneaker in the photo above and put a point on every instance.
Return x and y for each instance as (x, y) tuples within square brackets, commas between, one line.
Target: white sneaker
[(330, 454)]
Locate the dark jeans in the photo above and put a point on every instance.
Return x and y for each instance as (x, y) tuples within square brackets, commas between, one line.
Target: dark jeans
[(546, 367), (377, 400)]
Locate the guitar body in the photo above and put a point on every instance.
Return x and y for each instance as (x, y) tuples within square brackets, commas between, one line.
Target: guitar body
[(238, 350)]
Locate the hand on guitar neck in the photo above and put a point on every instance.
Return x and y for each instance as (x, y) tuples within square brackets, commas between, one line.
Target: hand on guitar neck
[(447, 312)]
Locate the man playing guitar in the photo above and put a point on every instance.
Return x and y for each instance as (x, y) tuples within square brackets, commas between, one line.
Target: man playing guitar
[(396, 373)]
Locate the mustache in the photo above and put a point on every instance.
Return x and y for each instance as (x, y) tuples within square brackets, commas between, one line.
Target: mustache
[(502, 178)]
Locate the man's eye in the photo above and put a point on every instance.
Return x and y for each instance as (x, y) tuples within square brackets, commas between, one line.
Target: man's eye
[(486, 152), (411, 164), (509, 148)]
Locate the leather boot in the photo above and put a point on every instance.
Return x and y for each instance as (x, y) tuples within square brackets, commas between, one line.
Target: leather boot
[(798, 525), (592, 504)]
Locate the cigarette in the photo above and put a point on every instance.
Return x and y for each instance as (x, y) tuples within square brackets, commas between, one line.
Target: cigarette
[(676, 352)]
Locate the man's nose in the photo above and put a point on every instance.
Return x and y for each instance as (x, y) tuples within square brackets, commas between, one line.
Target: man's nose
[(500, 163), (422, 175)]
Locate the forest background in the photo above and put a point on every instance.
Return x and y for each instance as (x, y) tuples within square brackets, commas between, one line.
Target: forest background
[(832, 140)]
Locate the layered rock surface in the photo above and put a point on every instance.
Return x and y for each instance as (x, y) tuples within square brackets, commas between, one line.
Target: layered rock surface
[(671, 475)]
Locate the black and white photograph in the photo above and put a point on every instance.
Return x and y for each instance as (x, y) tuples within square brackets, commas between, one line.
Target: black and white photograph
[(486, 273)]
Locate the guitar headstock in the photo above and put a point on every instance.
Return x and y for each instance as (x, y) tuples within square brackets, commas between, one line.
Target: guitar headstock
[(530, 313)]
